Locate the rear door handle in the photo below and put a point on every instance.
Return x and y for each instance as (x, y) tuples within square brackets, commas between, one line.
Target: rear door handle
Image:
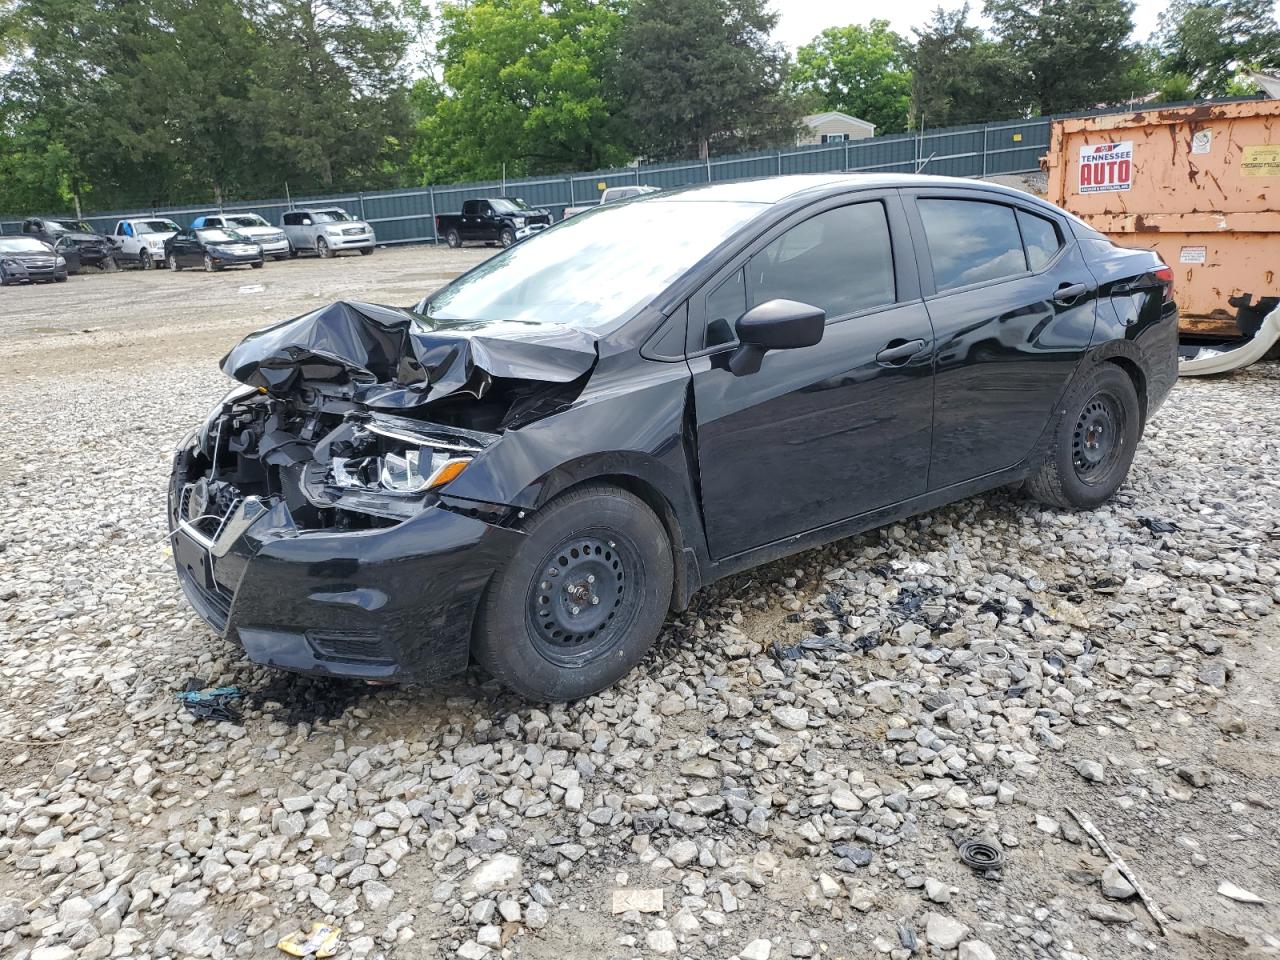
[(1070, 293), (898, 352)]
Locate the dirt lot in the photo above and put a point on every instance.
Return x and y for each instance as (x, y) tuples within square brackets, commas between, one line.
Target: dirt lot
[(973, 673)]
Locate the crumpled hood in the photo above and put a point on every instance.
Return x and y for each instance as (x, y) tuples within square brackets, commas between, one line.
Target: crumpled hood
[(81, 237), (395, 358)]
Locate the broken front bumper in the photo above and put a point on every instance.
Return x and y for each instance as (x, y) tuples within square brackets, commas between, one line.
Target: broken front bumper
[(395, 603)]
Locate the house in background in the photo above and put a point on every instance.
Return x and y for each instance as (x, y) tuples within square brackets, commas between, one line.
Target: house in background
[(833, 127)]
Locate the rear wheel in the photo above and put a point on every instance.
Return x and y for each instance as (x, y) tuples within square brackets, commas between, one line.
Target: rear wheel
[(1093, 442), (453, 238), (582, 598), (323, 248)]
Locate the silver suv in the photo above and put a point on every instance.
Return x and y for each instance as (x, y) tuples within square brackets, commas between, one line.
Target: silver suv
[(327, 230)]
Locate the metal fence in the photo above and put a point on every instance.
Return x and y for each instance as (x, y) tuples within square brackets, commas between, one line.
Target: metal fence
[(408, 216)]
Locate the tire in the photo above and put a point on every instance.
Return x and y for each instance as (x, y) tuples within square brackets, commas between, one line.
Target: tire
[(283, 256), (61, 279), (293, 252), (323, 248), (208, 264), (109, 265), (615, 560), (507, 237), (453, 238), (4, 278), (365, 251), (174, 265), (144, 260), (257, 266), (1092, 444)]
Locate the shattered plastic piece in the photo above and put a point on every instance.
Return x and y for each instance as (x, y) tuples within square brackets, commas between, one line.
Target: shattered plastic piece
[(1209, 361), (1156, 525), (320, 941), (393, 359), (808, 645), (212, 704)]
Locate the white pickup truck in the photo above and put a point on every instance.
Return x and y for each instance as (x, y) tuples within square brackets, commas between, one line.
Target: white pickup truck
[(609, 196), (141, 240)]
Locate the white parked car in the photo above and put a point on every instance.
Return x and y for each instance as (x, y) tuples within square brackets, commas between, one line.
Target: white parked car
[(327, 230), (271, 239), (611, 195), (141, 240)]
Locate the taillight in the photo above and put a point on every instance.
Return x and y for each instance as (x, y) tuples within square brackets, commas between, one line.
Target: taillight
[(1165, 276)]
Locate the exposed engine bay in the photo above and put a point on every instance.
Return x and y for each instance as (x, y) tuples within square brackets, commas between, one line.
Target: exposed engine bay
[(312, 427)]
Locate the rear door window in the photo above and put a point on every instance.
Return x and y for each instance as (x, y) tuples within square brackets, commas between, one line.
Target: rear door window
[(971, 241), (840, 260)]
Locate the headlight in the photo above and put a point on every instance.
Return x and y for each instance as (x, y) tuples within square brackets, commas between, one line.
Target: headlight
[(59, 261), (410, 471), (9, 262), (519, 221), (333, 231), (155, 243)]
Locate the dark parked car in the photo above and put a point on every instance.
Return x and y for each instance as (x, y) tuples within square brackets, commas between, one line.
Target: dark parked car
[(75, 240), (212, 248), (503, 220), (28, 260), (545, 456)]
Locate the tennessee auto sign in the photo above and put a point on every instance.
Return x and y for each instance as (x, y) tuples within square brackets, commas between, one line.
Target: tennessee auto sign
[(1106, 167)]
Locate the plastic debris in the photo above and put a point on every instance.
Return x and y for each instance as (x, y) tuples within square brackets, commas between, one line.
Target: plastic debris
[(215, 704), (320, 941), (812, 644), (1156, 525)]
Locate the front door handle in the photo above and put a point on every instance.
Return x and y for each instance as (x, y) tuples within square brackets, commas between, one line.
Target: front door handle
[(898, 352), (1069, 293)]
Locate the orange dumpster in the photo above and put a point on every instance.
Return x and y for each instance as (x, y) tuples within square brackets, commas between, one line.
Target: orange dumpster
[(1199, 185)]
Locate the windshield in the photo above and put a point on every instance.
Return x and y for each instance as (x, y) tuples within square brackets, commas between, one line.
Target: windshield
[(332, 216), (67, 226), (214, 235), (595, 268), (22, 245), (247, 220), (508, 205), (156, 226)]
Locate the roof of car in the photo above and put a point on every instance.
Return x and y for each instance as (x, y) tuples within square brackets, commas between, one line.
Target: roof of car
[(772, 190)]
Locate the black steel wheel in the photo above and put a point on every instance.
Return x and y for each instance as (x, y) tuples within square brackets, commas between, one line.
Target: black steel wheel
[(581, 600), (1092, 442)]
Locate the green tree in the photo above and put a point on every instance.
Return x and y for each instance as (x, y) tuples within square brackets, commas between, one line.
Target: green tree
[(1210, 42), (862, 71), (1071, 54), (959, 75), (699, 74), (525, 83)]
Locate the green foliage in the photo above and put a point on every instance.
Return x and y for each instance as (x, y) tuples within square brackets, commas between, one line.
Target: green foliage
[(525, 83), (1068, 54), (134, 102), (861, 71), (960, 76), (699, 75), (1210, 42)]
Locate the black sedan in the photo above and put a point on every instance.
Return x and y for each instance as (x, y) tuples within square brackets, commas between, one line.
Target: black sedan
[(212, 248), (28, 260), (538, 462)]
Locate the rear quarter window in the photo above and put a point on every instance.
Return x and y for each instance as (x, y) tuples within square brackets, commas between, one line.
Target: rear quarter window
[(1041, 238)]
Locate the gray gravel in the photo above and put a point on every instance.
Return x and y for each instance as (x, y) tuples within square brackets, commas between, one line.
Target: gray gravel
[(969, 673)]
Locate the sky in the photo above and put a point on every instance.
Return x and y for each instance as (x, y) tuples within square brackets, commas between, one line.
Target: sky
[(802, 20)]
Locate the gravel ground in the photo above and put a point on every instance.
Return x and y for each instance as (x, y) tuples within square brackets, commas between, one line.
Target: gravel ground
[(972, 673)]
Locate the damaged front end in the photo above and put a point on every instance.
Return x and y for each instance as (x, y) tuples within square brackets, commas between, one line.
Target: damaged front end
[(309, 513)]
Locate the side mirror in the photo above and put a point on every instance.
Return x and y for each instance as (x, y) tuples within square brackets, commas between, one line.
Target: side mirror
[(774, 325)]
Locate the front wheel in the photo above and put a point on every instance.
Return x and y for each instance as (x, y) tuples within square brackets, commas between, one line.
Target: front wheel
[(582, 598), (323, 248), (144, 258), (257, 265), (365, 251), (209, 265), (174, 265), (1093, 442), (507, 236)]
